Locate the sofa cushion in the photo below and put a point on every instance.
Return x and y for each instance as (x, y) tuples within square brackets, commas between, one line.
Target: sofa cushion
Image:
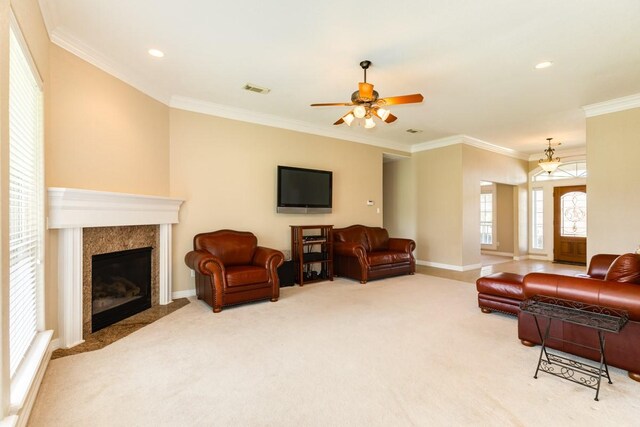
[(246, 275), (387, 257), (378, 238), (625, 268)]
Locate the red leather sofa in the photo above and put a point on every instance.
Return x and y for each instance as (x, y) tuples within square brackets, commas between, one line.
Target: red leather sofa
[(364, 253), (619, 289), (502, 292)]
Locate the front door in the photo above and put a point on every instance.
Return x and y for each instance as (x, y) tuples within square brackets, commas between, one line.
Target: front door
[(570, 224)]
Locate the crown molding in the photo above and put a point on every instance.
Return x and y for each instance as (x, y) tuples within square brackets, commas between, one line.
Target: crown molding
[(468, 140), (612, 106), (49, 15), (243, 115)]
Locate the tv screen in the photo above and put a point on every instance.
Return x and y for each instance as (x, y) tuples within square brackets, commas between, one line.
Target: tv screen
[(304, 190)]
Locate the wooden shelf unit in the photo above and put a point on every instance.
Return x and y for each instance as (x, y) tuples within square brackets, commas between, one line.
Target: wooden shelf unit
[(312, 253)]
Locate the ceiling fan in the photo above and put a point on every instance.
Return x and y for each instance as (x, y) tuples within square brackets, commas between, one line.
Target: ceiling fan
[(367, 104)]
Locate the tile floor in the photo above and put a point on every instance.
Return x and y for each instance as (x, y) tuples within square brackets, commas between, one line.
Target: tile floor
[(492, 264)]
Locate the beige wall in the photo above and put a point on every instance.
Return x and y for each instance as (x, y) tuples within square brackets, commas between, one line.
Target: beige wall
[(399, 194), (481, 165), (226, 172), (102, 133), (439, 205), (613, 182), (448, 201)]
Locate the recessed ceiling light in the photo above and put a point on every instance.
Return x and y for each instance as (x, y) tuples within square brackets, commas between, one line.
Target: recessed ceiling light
[(545, 64), (157, 53)]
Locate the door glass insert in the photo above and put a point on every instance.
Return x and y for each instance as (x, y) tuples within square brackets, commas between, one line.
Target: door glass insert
[(574, 214)]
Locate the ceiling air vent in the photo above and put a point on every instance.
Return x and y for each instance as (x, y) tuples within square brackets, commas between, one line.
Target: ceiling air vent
[(414, 130), (257, 89)]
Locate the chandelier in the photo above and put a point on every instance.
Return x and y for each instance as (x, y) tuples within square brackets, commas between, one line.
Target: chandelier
[(549, 164)]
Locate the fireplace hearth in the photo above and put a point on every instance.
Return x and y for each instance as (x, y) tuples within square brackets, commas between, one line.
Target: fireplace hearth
[(120, 285)]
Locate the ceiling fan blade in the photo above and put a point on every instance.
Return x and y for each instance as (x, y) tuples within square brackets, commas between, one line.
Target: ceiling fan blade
[(403, 99), (339, 122), (333, 104), (391, 118)]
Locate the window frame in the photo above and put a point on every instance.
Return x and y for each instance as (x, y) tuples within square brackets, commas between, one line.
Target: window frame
[(30, 369)]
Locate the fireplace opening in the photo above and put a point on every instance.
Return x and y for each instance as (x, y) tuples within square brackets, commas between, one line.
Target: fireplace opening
[(120, 286)]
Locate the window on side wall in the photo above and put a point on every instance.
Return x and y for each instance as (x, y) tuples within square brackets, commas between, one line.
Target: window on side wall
[(537, 227), (26, 337)]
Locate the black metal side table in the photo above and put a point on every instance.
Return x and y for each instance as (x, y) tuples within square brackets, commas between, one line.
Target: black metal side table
[(601, 319)]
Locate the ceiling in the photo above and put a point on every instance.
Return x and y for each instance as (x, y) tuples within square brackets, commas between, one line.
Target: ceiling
[(473, 61)]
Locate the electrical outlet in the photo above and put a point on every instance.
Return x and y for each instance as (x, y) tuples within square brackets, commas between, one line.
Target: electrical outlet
[(369, 202)]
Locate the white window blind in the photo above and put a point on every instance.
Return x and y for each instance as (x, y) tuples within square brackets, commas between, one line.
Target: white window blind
[(25, 201)]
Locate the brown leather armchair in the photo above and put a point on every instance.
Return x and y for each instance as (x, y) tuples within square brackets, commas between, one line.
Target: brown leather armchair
[(231, 268), (365, 253)]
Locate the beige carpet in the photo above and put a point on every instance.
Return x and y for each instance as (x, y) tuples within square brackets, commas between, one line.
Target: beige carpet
[(407, 351)]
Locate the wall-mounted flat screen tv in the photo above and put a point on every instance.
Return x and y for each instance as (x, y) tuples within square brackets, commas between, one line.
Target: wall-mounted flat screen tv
[(304, 190)]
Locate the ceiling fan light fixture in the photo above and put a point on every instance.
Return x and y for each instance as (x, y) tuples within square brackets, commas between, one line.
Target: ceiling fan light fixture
[(359, 111), (383, 113), (369, 123), (348, 119)]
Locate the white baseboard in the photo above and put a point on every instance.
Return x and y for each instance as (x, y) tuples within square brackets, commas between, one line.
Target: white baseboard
[(540, 257), (183, 294), (497, 253), (449, 266)]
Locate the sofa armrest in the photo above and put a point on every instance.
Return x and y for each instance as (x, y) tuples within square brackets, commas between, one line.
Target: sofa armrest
[(401, 245), (619, 295), (268, 258), (350, 249), (599, 265)]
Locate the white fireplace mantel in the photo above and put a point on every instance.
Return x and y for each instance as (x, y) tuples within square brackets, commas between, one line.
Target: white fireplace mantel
[(71, 210)]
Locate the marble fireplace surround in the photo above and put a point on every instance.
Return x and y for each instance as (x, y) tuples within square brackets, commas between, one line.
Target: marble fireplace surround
[(72, 210)]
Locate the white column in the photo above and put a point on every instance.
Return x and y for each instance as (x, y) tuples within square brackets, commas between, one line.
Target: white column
[(70, 287), (165, 264)]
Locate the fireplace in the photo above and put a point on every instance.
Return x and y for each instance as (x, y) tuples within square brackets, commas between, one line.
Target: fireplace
[(120, 285), (95, 222)]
